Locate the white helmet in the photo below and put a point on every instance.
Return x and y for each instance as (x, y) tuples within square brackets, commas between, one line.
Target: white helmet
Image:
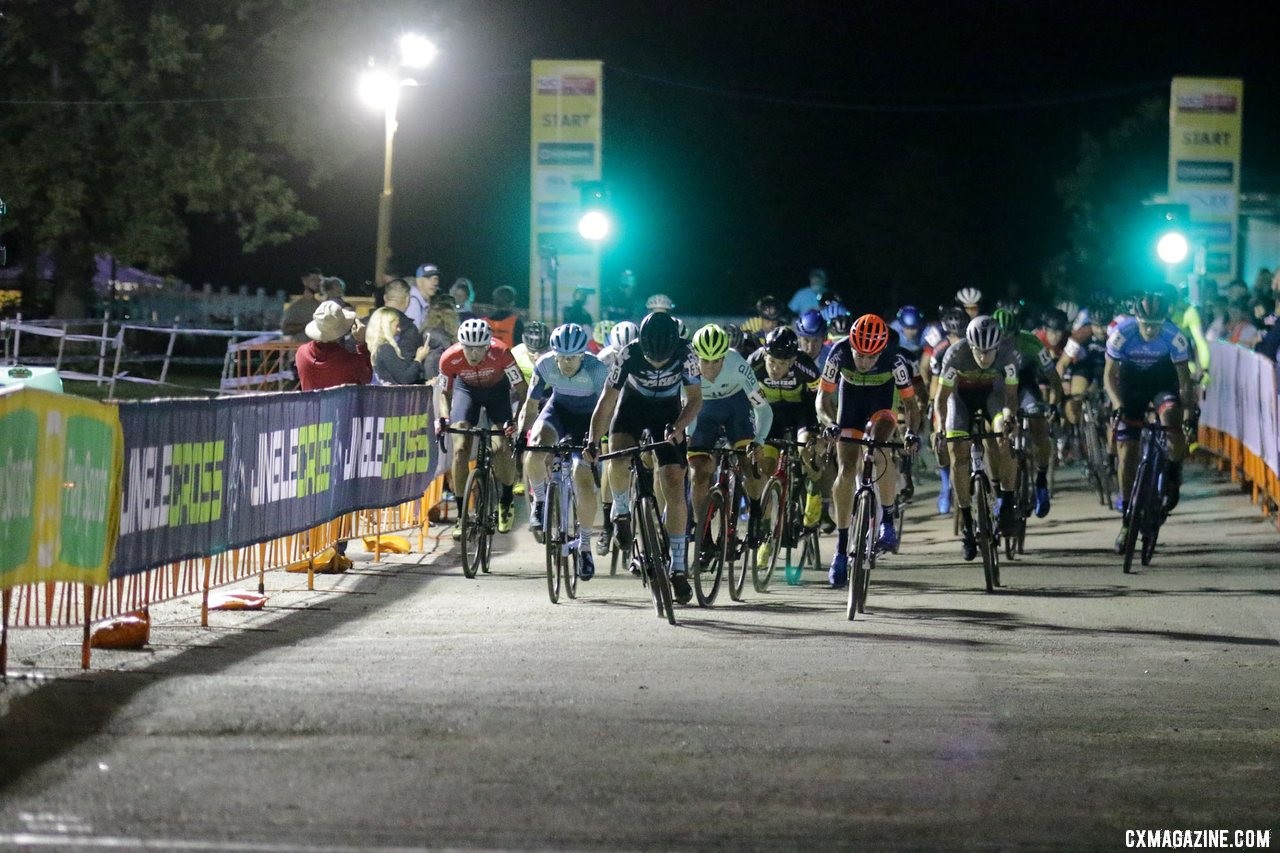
[(623, 334), (474, 333), (968, 296), (983, 333), (659, 302), (682, 330)]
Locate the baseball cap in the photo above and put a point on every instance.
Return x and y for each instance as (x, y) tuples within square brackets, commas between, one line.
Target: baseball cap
[(428, 270)]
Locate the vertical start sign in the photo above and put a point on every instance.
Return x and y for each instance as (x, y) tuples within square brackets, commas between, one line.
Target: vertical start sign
[(1205, 117), (566, 136)]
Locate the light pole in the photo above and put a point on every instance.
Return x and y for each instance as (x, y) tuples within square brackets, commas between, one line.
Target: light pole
[(380, 89)]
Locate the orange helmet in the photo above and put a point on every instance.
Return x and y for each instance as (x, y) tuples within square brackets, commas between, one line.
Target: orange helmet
[(869, 335)]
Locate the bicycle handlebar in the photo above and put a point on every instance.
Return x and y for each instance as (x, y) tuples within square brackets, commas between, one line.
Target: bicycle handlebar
[(973, 435), (475, 430), (635, 449), (555, 448), (871, 442)]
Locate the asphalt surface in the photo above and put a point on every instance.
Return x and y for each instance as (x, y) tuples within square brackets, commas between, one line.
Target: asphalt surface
[(402, 706)]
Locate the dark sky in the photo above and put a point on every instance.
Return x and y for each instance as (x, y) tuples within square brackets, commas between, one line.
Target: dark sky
[(908, 147)]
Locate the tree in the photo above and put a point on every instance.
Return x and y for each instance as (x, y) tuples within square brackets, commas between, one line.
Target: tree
[(1104, 195), (124, 117)]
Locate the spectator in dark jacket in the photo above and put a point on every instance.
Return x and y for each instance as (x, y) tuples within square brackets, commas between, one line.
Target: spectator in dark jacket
[(323, 362), (396, 348)]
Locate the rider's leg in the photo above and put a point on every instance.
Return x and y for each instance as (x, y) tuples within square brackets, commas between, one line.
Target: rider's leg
[(701, 470), (536, 470), (584, 489), (461, 464), (620, 474), (671, 480), (1171, 417), (849, 461)]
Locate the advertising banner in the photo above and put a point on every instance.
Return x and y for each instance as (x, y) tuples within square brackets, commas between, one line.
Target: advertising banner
[(204, 476), (59, 488), (566, 138), (1205, 120)]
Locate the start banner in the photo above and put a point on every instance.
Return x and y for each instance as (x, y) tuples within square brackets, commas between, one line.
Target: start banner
[(59, 488), (204, 476)]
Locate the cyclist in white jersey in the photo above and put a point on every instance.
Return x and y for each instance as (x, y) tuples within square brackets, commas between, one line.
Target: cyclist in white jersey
[(621, 336)]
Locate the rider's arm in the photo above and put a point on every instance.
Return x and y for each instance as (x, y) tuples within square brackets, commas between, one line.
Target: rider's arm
[(533, 402), (689, 411), (603, 413), (759, 405), (1111, 382), (1187, 386)]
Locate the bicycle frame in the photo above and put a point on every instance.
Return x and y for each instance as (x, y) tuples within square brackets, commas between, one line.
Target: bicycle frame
[(479, 521), (1145, 512), (562, 539), (982, 505), (866, 509), (648, 537)]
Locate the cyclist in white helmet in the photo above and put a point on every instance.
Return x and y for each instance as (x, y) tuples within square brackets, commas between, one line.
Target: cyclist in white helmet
[(970, 299), (659, 302)]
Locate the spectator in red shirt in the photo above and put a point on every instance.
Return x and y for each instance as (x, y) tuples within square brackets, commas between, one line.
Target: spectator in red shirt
[(323, 362)]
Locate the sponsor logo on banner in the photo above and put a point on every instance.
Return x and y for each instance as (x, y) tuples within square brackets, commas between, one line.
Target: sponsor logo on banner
[(1206, 171), (566, 153), (1207, 202), (21, 431), (1208, 102), (554, 185), (1218, 262), (567, 84), (1212, 232), (556, 214), (87, 487)]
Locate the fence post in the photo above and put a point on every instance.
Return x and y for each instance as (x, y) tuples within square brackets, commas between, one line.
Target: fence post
[(168, 353), (102, 348)]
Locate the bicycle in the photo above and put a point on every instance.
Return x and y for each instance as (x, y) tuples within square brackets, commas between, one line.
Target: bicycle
[(560, 529), (863, 534), (479, 503), (785, 489), (1146, 512), (1091, 432), (982, 506), (649, 549), (1015, 540), (719, 528)]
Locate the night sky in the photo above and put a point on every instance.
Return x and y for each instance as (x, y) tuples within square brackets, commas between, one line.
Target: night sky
[(908, 147)]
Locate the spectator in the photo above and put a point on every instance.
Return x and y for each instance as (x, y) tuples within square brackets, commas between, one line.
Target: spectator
[(464, 294), (1271, 342), (323, 362), (504, 320), (299, 312), (335, 290), (396, 295), (620, 301), (576, 312), (807, 298), (440, 331), (1218, 318), (426, 283), (1240, 328), (396, 348)]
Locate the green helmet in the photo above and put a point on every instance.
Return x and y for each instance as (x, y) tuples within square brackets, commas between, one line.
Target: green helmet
[(1007, 319), (711, 342)]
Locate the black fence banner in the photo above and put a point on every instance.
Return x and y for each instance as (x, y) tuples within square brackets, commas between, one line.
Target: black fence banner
[(204, 476)]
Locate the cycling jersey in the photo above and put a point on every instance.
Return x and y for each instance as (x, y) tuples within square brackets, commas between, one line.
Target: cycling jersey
[(939, 352), (497, 366), (634, 375), (911, 346), (792, 396), (737, 388), (1127, 346), (976, 389), (863, 395), (577, 393), (524, 360)]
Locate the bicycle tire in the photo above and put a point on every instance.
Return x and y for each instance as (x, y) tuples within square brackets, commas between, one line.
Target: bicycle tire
[(715, 526), (1154, 516), (490, 526), (572, 558), (1011, 540), (773, 520), (655, 564), (551, 541), (988, 546), (473, 506), (1137, 511), (1024, 507), (900, 516), (862, 552), (736, 549)]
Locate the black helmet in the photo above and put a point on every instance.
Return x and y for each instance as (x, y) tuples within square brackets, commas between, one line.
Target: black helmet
[(659, 336), (1150, 307), (839, 326), (537, 336), (782, 343), (735, 335), (1055, 320), (953, 322), (769, 307)]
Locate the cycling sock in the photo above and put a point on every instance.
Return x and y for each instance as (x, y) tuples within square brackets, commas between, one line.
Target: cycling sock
[(678, 544), (606, 516), (540, 491), (508, 495), (585, 535), (966, 520), (621, 505), (879, 514), (457, 500), (1042, 478), (842, 540)]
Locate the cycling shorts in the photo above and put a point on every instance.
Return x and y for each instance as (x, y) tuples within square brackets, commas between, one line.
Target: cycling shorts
[(732, 414), (636, 413), (563, 422), (867, 426), (964, 410), (467, 404), (858, 404)]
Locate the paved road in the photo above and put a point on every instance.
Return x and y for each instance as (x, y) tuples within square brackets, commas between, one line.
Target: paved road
[(406, 707)]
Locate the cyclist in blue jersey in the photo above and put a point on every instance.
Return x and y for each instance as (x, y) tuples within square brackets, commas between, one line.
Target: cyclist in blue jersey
[(909, 323), (644, 392), (1147, 364), (811, 334), (566, 385)]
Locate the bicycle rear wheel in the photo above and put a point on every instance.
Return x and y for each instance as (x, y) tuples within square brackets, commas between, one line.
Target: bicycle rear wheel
[(772, 523), (571, 552), (862, 541), (710, 550), (475, 507), (988, 545), (654, 557), (552, 540)]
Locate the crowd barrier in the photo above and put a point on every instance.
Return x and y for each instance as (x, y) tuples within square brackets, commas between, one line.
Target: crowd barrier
[(1240, 422), (106, 509)]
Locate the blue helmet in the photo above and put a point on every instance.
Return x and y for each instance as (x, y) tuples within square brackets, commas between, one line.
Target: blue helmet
[(569, 339), (909, 317), (832, 310), (811, 324)]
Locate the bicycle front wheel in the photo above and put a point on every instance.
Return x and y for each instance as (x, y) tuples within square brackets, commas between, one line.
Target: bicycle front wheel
[(475, 509), (862, 540), (709, 555), (771, 524), (552, 539), (987, 542), (1138, 499), (654, 558), (572, 548)]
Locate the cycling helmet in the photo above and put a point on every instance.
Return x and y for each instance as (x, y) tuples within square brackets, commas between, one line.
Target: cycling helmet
[(623, 334), (839, 325), (782, 343), (1150, 307), (474, 333), (569, 339), (1013, 306), (536, 336), (811, 325), (909, 317), (953, 321), (659, 336), (682, 329), (736, 335), (983, 333), (1054, 320), (600, 331), (769, 307), (968, 296), (711, 342), (869, 335), (1070, 308), (1007, 320), (832, 310), (659, 302)]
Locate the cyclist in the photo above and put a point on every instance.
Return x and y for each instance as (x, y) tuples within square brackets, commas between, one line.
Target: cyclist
[(621, 336), (952, 327), (811, 334), (978, 377), (566, 385), (909, 323), (1084, 357), (732, 402), (478, 374), (1147, 364), (744, 343), (600, 336), (865, 380), (970, 299), (768, 316), (644, 392), (789, 381), (659, 302), (534, 342), (1035, 368)]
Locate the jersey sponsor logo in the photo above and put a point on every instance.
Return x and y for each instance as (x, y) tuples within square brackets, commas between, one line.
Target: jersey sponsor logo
[(1010, 371)]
